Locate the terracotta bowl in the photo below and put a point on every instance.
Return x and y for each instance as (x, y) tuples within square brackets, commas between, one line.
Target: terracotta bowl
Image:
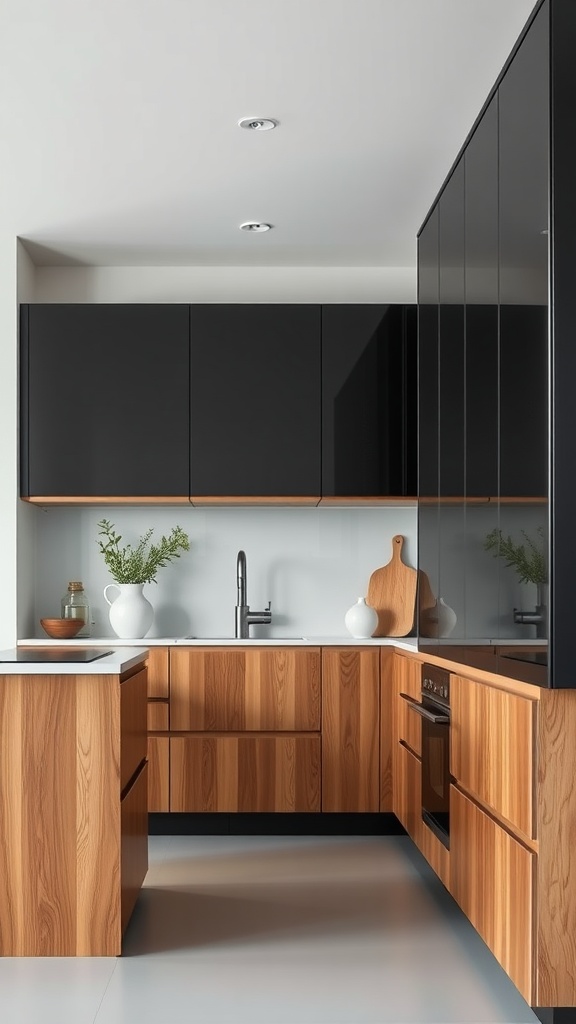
[(61, 629)]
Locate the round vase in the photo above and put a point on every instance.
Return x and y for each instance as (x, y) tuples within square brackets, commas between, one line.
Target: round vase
[(131, 614), (361, 619), (444, 618)]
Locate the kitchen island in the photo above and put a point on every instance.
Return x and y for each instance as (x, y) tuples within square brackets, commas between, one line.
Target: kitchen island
[(73, 800)]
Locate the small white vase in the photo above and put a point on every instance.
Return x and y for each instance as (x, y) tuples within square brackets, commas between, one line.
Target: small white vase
[(443, 618), (131, 614), (361, 619)]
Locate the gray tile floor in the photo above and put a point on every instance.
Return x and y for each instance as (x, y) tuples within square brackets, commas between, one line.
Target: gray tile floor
[(278, 930)]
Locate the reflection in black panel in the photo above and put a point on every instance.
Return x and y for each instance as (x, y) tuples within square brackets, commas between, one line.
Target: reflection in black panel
[(368, 400)]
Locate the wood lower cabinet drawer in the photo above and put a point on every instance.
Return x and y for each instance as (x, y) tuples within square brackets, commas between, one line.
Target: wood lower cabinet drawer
[(159, 672), (407, 676), (492, 750), (134, 843), (407, 775), (245, 773), (268, 690), (492, 879), (133, 705), (158, 774), (350, 729)]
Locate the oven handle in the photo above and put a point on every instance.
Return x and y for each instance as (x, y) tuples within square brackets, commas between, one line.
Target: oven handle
[(441, 719)]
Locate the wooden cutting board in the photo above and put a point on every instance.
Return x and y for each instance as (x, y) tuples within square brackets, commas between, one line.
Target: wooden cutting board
[(392, 592)]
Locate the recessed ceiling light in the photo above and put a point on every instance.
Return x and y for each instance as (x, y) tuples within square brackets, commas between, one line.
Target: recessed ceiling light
[(258, 124), (254, 225)]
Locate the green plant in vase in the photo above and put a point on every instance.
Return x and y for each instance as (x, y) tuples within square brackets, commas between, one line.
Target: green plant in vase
[(131, 614), (529, 559)]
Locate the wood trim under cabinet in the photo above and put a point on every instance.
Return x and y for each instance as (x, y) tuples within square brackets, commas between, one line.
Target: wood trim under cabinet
[(107, 499), (266, 499)]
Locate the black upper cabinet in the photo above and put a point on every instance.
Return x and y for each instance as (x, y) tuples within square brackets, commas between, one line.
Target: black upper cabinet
[(451, 335), (368, 400), (481, 347), (104, 406), (428, 363), (523, 98), (255, 401)]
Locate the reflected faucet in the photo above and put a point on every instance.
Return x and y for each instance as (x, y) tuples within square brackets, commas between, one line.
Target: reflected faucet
[(244, 617)]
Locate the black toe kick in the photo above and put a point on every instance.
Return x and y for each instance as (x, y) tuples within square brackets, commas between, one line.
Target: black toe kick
[(555, 1014), (277, 824)]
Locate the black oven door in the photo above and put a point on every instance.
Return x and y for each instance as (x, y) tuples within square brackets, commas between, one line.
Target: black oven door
[(435, 765)]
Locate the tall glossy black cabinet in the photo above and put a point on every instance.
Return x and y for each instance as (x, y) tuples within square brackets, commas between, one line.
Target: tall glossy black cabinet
[(504, 392), (104, 400), (254, 401), (368, 400)]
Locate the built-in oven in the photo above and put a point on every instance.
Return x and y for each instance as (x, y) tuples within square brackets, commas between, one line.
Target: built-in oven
[(434, 710)]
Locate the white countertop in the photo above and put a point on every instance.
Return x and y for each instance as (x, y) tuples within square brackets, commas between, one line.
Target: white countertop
[(119, 661), (408, 643)]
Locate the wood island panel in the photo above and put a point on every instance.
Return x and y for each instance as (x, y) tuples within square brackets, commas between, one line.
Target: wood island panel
[(60, 842), (222, 689), (245, 773), (556, 796), (350, 729), (134, 726)]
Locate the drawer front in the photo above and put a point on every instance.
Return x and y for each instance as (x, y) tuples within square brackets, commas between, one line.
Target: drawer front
[(134, 843), (245, 773), (159, 672), (492, 750), (158, 716), (270, 690), (133, 709), (158, 774), (407, 679), (492, 879)]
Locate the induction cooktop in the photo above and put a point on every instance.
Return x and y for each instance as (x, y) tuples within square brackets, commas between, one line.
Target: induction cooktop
[(44, 657)]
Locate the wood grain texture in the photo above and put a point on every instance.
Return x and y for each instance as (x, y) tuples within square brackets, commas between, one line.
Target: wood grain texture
[(492, 750), (556, 937), (392, 592), (408, 791), (493, 879), (505, 683), (245, 773), (387, 738), (60, 754), (369, 502), (158, 774), (158, 712), (407, 678), (267, 499), (159, 672), (133, 717), (435, 853), (350, 729), (134, 843), (108, 499), (268, 689)]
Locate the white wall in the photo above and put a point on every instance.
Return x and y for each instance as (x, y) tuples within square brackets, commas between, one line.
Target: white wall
[(225, 284), (312, 563), (8, 439)]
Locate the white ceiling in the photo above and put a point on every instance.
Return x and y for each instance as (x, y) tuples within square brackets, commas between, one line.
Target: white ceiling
[(119, 142)]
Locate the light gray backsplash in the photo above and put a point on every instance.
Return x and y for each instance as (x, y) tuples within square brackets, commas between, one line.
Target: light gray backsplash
[(312, 563)]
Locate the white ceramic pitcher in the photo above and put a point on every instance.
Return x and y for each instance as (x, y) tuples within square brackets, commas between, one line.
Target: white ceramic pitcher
[(131, 614)]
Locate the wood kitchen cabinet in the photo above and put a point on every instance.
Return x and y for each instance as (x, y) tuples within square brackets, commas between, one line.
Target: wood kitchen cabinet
[(255, 402), (368, 400), (245, 729), (492, 749), (73, 805), (492, 879), (350, 729), (105, 401), (158, 726)]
